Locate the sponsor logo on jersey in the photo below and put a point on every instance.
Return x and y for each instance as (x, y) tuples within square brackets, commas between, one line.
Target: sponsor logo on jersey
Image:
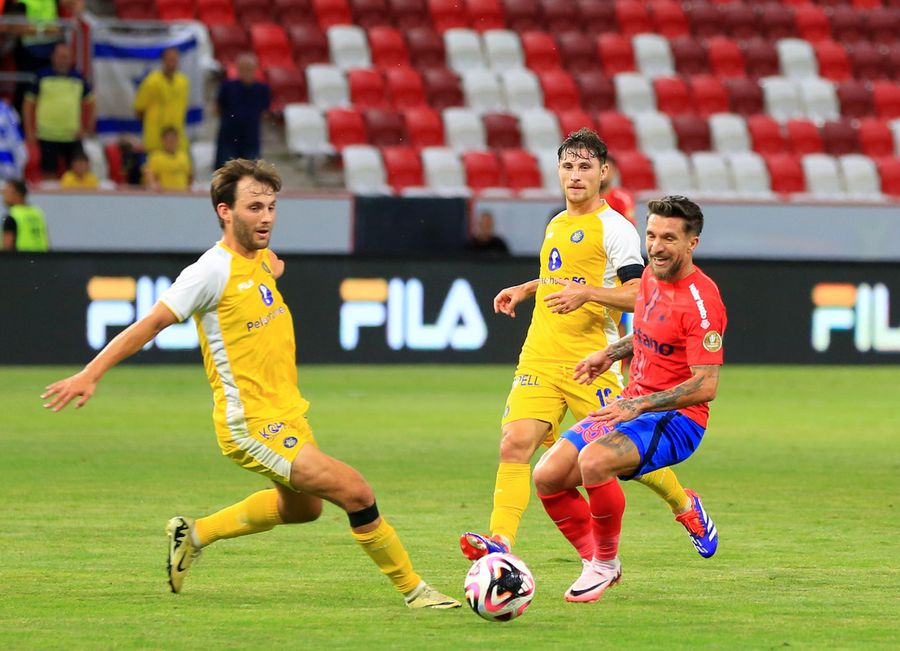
[(247, 284), (269, 431), (265, 319), (577, 236), (267, 297), (290, 441), (861, 309), (526, 380), (701, 307), (554, 261), (712, 341), (649, 342)]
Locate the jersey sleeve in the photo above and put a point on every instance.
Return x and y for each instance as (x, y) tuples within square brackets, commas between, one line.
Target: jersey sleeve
[(705, 326), (622, 243), (198, 287)]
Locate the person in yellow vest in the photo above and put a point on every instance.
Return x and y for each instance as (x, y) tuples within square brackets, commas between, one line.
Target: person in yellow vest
[(168, 169), (162, 101), (24, 228), (80, 176)]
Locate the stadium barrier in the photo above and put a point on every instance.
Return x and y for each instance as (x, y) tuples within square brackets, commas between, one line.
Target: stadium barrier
[(63, 307)]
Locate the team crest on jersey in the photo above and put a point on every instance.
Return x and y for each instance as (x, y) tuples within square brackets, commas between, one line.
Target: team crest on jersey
[(290, 441), (577, 236), (712, 341), (266, 294), (554, 262), (266, 268)]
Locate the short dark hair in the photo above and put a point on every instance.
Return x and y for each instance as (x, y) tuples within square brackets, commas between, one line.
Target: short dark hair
[(584, 138), (223, 188), (675, 205), (19, 186), (166, 130)]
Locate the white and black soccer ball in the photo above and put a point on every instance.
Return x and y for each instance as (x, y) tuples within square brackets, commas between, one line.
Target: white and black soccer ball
[(499, 587)]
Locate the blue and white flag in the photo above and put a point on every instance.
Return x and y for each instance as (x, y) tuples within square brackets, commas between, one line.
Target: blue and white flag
[(12, 147), (124, 53)]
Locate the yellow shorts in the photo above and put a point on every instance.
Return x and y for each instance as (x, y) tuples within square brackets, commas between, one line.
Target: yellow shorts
[(270, 448), (545, 391)]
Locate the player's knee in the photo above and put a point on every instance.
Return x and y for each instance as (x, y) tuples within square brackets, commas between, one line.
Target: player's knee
[(359, 496), (596, 464), (516, 448), (307, 511), (546, 478)]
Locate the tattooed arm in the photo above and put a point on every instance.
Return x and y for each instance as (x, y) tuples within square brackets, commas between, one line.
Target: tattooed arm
[(595, 364), (700, 387)]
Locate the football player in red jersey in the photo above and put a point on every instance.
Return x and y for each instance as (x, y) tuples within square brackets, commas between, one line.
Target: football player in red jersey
[(679, 321), (618, 198)]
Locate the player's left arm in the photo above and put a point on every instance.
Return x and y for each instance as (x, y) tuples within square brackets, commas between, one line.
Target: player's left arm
[(277, 264)]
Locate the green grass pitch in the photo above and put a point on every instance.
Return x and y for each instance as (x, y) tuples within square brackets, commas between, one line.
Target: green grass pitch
[(800, 469)]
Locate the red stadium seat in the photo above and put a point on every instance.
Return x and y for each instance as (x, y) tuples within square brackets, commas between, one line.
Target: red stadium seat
[(249, 12), (617, 131), (388, 47), (739, 20), (345, 127), (803, 137), (113, 162), (135, 10), (442, 88), (855, 99), (502, 131), (886, 96), (597, 17), (692, 133), (889, 171), (765, 135), (745, 97), (812, 23), (848, 25), (708, 95), (175, 9), (560, 90), (574, 119), (485, 14), (228, 42), (403, 167), (520, 169), (523, 15), (776, 21), (405, 87), (426, 48), (410, 14), (287, 86), (385, 127), (786, 173), (309, 44), (366, 88), (635, 171), (294, 12), (725, 58), (761, 58), (482, 170), (883, 24), (447, 14), (332, 12), (868, 61), (672, 96), (690, 56), (893, 60), (833, 61), (560, 16), (270, 42), (875, 138), (577, 50), (704, 19), (216, 12), (669, 19), (598, 93), (839, 138), (370, 13), (424, 127), (632, 18), (616, 54), (541, 52)]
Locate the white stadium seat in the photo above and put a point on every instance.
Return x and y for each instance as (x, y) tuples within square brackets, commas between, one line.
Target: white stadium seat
[(348, 47), (444, 172), (364, 170), (653, 55), (306, 130), (823, 177), (522, 90), (327, 86), (634, 93), (464, 129), (503, 49), (796, 58), (463, 49), (654, 132), (540, 130), (673, 172), (711, 173), (782, 101), (728, 133), (820, 101), (482, 90), (860, 176), (749, 173)]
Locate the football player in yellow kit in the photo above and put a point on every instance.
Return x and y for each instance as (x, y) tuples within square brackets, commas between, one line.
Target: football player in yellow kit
[(590, 270), (247, 339)]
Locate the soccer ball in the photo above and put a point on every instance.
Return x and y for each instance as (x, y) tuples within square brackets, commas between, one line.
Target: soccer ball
[(499, 587)]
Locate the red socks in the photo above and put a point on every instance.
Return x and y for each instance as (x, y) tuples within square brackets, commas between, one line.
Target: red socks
[(607, 505), (572, 515)]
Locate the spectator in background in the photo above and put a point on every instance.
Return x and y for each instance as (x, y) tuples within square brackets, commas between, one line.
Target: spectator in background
[(484, 241), (618, 198), (242, 102), (58, 110), (12, 147), (79, 177), (24, 228), (168, 169), (162, 101)]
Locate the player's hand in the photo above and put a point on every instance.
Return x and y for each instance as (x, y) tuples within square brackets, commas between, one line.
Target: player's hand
[(505, 302), (592, 367), (572, 296), (61, 393), (617, 412)]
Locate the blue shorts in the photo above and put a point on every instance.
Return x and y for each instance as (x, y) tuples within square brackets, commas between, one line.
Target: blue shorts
[(663, 438)]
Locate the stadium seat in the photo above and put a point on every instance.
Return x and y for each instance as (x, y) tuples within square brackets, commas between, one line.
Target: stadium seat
[(175, 9), (760, 58), (883, 24), (868, 61), (654, 132), (228, 42), (796, 58), (367, 88), (860, 176), (485, 15), (729, 133), (672, 96), (577, 50), (848, 25), (424, 127), (893, 60), (482, 90), (749, 174), (739, 20), (332, 12), (447, 14), (765, 135), (308, 44), (409, 15), (93, 149), (540, 130), (348, 47), (426, 48), (894, 126), (705, 20), (385, 127), (653, 56), (819, 99), (306, 130), (672, 170), (405, 87), (502, 131), (463, 129), (597, 91), (812, 23), (503, 49), (370, 13), (690, 56), (560, 16), (785, 173), (875, 138), (668, 19), (215, 13), (326, 85), (541, 52), (889, 171), (692, 133), (387, 47), (345, 127), (597, 17), (251, 12), (523, 15), (632, 18), (823, 178), (271, 45), (781, 99), (832, 61), (839, 138), (559, 90), (521, 90), (573, 119), (294, 12), (617, 131), (803, 137), (443, 171), (442, 88), (111, 151), (548, 163), (403, 167), (711, 174), (709, 95), (886, 97), (635, 170), (131, 10), (463, 47), (634, 93), (364, 171), (725, 58), (483, 170), (745, 96), (776, 21), (287, 86), (520, 169), (616, 53)]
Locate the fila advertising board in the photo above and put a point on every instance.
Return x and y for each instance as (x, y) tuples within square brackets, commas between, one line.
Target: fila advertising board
[(63, 308)]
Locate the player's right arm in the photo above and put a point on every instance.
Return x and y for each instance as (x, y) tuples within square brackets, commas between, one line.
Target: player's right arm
[(505, 302), (595, 364), (124, 345)]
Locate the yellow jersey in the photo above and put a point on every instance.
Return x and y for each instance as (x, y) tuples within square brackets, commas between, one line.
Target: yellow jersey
[(164, 103), (172, 171), (588, 249), (71, 181), (246, 337)]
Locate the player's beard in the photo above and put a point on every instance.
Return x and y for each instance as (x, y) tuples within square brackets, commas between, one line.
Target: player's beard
[(672, 272), (246, 235)]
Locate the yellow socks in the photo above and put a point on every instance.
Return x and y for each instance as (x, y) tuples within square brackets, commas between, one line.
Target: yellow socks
[(512, 491), (664, 483), (258, 512), (383, 546)]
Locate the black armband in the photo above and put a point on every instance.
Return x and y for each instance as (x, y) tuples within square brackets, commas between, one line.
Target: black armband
[(630, 272), (364, 516)]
